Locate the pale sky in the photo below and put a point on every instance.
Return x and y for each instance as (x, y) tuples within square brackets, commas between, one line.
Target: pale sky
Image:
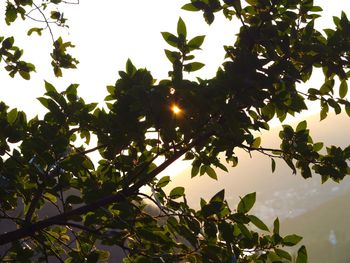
[(108, 33)]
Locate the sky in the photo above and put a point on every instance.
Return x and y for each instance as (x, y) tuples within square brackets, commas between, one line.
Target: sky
[(108, 33)]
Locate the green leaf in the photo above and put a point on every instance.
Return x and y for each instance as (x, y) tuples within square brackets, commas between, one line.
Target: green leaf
[(211, 172), (302, 255), (343, 89), (194, 66), (189, 7), (11, 13), (256, 143), (44, 102), (163, 181), (316, 9), (273, 257), (301, 126), (172, 55), (273, 165), (211, 208), (12, 116), (35, 30), (222, 167), (49, 87), (181, 28), (177, 192), (276, 226), (50, 197), (283, 254), (171, 39), (291, 240), (202, 170), (252, 2), (347, 109), (24, 74), (219, 196), (318, 146), (194, 170), (130, 68), (196, 42), (8, 42), (268, 111), (324, 112), (258, 223), (246, 203)]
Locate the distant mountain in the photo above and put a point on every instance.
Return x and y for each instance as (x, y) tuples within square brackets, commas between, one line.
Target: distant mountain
[(281, 194), (325, 230)]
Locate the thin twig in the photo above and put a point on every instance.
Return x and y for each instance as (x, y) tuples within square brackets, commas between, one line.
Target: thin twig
[(46, 21)]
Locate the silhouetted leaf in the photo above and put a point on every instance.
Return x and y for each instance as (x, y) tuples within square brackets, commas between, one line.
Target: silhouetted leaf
[(258, 223), (246, 203), (302, 255), (177, 192), (181, 28)]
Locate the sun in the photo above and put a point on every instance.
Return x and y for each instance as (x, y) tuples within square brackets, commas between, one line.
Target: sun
[(176, 109)]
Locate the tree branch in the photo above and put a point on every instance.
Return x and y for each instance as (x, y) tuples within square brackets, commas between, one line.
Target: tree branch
[(30, 229)]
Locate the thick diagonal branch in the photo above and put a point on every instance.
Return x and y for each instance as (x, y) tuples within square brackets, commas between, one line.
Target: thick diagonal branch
[(30, 229)]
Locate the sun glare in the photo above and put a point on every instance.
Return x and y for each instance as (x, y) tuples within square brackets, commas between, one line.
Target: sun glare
[(175, 109)]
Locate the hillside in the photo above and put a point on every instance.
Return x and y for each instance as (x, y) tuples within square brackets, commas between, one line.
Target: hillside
[(282, 194), (325, 230)]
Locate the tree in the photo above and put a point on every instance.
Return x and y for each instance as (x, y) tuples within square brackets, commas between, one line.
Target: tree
[(44, 165)]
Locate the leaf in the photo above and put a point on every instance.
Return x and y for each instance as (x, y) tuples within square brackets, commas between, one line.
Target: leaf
[(301, 126), (316, 9), (219, 196), (273, 165), (318, 146), (202, 170), (347, 109), (252, 2), (194, 170), (181, 28), (130, 68), (50, 197), (190, 7), (11, 13), (24, 74), (196, 42), (276, 226), (209, 17), (258, 223), (35, 30), (291, 240), (172, 55), (302, 255), (171, 39), (194, 66), (12, 116), (49, 87), (222, 167), (343, 89), (211, 208), (44, 102), (268, 111), (246, 203), (177, 192), (324, 112), (163, 181), (211, 172), (256, 143), (283, 254)]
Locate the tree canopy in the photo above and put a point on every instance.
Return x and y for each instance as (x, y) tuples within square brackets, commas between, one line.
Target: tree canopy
[(145, 125)]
